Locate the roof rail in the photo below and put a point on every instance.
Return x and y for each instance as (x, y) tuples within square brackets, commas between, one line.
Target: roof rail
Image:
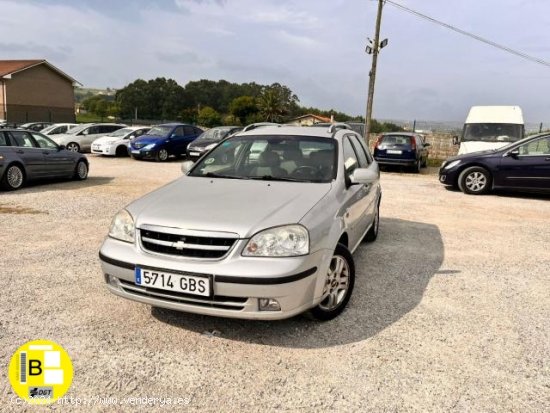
[(338, 125), (259, 125)]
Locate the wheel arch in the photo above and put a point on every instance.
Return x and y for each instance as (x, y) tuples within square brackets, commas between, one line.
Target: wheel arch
[(469, 165)]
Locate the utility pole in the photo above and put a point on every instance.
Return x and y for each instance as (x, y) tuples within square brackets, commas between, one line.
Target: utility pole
[(375, 49)]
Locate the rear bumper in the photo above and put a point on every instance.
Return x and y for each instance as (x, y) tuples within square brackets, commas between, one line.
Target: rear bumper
[(395, 161)]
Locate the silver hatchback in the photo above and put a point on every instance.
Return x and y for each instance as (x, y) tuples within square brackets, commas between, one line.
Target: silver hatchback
[(261, 227)]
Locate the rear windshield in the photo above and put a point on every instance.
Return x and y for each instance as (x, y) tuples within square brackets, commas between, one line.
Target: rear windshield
[(397, 139)]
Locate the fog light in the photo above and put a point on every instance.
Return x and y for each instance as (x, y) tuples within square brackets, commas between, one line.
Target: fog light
[(112, 281), (269, 304)]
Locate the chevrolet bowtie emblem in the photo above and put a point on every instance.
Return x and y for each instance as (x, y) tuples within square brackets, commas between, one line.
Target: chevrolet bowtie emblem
[(179, 245)]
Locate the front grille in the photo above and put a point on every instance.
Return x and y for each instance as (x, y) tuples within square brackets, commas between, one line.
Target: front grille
[(185, 245), (217, 301)]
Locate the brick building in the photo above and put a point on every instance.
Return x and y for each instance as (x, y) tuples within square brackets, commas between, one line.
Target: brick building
[(35, 91)]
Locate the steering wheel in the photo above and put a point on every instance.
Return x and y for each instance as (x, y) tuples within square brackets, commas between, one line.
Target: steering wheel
[(305, 171)]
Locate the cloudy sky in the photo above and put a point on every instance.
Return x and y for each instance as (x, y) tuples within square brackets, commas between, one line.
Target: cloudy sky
[(316, 47)]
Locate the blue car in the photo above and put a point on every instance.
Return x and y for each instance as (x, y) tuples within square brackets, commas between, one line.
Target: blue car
[(401, 149), (163, 141), (523, 165)]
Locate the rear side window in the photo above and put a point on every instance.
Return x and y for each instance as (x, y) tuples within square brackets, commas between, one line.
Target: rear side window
[(3, 139), (178, 131), (22, 139), (107, 128), (188, 130)]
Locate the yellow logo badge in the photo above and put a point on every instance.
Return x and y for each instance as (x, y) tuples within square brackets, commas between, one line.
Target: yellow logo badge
[(40, 372)]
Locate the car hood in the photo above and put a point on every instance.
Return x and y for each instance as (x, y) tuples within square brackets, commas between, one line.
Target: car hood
[(105, 139), (202, 144), (473, 146), (243, 207), (147, 139), (471, 155)]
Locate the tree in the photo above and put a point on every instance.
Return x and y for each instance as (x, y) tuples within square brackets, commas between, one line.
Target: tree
[(276, 102), (242, 107), (209, 117)]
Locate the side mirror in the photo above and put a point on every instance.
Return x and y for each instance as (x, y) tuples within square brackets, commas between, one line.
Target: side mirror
[(186, 166), (364, 176), (514, 153), (455, 140), (427, 144), (61, 147)]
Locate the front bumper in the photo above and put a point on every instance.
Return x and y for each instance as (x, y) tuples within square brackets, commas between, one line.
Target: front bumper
[(142, 154), (237, 282), (103, 150), (448, 176)]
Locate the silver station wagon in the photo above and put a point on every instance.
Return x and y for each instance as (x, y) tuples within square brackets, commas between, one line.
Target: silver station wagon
[(261, 227)]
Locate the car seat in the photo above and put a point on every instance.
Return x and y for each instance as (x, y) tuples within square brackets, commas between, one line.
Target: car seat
[(268, 165)]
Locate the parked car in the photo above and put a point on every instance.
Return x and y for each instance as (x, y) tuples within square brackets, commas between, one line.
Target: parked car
[(403, 149), (28, 155), (116, 143), (57, 128), (164, 140), (523, 165), (80, 138), (264, 238), (35, 126), (207, 140)]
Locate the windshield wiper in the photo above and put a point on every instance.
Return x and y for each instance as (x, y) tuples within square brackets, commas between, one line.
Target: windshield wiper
[(277, 178), (215, 175)]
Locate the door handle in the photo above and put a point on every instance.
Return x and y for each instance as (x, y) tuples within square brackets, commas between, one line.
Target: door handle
[(547, 159), (20, 151), (45, 152)]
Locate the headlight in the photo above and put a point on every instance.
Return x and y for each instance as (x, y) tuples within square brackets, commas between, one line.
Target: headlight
[(210, 146), (122, 227), (285, 241), (149, 147), (451, 164)]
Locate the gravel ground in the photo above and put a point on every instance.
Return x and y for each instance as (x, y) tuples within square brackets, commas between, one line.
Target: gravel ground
[(450, 311)]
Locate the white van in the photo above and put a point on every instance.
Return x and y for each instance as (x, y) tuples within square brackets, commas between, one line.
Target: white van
[(490, 127)]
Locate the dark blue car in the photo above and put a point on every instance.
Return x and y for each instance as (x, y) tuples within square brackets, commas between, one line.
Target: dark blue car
[(401, 149), (164, 140), (524, 164)]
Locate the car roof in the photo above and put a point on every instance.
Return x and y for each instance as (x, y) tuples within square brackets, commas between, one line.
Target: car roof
[(400, 133), (295, 131)]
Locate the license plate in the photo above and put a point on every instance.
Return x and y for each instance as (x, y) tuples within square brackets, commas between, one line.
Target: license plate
[(393, 152), (135, 152), (183, 283), (194, 153)]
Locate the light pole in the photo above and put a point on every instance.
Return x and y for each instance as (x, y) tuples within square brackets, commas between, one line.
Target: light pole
[(374, 50)]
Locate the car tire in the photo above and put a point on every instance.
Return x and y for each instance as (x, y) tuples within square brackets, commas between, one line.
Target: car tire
[(80, 171), (416, 167), (475, 180), (73, 147), (338, 286), (121, 151), (162, 155), (425, 163), (14, 178), (372, 234)]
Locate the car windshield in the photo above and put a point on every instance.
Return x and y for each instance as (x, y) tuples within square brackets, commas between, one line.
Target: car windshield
[(271, 157), (492, 132), (49, 128), (160, 130), (214, 134), (120, 133), (78, 129)]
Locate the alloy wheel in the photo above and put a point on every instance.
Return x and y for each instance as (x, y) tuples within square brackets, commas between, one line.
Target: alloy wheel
[(337, 283), (476, 181), (15, 177)]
